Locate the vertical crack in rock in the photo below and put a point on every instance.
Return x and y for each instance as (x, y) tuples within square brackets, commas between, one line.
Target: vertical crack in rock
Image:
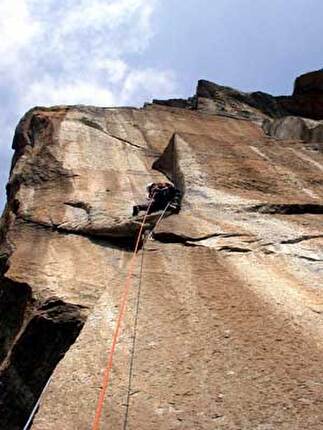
[(34, 333), (51, 328), (15, 301)]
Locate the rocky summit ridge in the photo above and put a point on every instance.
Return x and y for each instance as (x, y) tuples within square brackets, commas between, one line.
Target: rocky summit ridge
[(229, 330)]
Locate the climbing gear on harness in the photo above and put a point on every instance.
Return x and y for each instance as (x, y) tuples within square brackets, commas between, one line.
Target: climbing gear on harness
[(163, 193)]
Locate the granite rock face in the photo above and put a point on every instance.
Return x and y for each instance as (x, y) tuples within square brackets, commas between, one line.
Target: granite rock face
[(228, 329), (295, 127), (306, 100)]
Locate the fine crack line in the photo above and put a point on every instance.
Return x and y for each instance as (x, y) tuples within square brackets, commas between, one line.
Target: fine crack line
[(234, 249), (97, 126), (121, 242), (169, 237), (304, 257), (287, 208), (128, 142), (60, 230), (301, 239)]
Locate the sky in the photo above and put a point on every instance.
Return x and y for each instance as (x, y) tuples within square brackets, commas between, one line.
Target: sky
[(126, 52)]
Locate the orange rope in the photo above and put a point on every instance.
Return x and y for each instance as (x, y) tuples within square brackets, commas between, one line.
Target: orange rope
[(122, 310)]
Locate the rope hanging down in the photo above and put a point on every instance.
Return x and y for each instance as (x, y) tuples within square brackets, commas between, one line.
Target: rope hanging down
[(134, 338), (122, 309), (158, 221), (123, 304), (137, 308), (33, 412), (116, 333)]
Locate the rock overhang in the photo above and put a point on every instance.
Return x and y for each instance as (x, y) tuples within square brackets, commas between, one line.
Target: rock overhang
[(251, 220)]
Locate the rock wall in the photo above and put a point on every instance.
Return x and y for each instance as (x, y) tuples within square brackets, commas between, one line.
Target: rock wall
[(229, 321), (306, 100)]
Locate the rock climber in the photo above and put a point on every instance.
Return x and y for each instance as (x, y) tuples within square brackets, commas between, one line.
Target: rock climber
[(160, 194)]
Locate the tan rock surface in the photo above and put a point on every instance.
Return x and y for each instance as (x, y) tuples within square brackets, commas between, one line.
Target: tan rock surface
[(292, 127), (229, 328)]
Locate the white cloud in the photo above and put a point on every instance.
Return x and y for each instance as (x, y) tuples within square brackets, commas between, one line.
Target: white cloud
[(51, 92), (93, 14), (147, 84), (74, 52), (115, 69), (17, 29)]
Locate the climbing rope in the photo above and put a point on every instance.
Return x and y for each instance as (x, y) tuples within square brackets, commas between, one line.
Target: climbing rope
[(134, 338), (158, 221), (137, 309), (33, 412), (122, 309)]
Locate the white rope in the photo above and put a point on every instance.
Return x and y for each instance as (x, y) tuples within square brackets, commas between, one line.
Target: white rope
[(158, 221), (33, 412)]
